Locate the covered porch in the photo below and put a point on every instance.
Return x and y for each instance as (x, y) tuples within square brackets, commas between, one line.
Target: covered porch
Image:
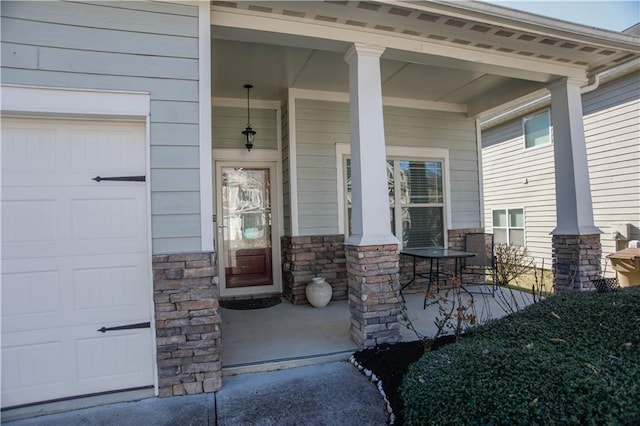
[(345, 91), (287, 335)]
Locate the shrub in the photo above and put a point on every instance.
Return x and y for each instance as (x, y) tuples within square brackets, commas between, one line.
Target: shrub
[(512, 261), (571, 359)]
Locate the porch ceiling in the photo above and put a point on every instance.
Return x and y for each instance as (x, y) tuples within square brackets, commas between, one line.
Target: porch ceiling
[(464, 53)]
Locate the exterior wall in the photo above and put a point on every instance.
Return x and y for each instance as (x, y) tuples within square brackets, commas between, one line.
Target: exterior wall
[(320, 125), (130, 46), (187, 323), (612, 133), (308, 257), (452, 131), (228, 123), (506, 165)]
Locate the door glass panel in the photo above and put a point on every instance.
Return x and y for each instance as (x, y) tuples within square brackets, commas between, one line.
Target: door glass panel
[(246, 213)]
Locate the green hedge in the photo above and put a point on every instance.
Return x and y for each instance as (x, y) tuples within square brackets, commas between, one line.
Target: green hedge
[(571, 359)]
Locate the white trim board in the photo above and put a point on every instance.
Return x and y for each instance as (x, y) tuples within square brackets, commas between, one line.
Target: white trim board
[(320, 95), (204, 127), (35, 100)]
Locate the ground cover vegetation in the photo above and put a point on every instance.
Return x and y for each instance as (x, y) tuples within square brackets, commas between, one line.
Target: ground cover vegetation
[(573, 358)]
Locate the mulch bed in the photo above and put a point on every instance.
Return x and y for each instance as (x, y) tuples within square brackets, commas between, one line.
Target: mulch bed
[(387, 365)]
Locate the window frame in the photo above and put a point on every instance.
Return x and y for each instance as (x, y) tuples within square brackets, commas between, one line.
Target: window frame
[(526, 118), (397, 153), (508, 228)]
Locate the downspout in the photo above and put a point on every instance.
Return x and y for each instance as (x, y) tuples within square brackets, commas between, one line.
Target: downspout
[(591, 87), (480, 172)]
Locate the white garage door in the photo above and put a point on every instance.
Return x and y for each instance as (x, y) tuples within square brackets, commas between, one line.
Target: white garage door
[(75, 258)]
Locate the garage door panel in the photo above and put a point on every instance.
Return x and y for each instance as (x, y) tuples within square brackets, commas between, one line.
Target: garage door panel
[(73, 221), (29, 294), (36, 295), (109, 151), (77, 363), (27, 151), (76, 258), (99, 358), (120, 288), (29, 220), (106, 218), (31, 368)]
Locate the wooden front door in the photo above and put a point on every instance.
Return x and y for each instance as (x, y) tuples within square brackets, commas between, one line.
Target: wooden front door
[(246, 227)]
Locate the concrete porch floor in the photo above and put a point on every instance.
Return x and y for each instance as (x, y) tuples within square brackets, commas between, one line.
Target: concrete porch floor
[(286, 335)]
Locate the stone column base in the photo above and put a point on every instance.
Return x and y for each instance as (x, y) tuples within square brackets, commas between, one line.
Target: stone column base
[(187, 323), (575, 261), (374, 294)]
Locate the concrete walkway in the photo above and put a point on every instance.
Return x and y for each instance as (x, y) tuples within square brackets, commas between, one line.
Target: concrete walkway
[(324, 394)]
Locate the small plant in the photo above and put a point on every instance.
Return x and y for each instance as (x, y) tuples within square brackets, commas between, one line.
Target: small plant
[(512, 261), (456, 312)]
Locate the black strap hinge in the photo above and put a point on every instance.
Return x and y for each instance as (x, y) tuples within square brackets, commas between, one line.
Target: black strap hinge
[(125, 327), (121, 178)]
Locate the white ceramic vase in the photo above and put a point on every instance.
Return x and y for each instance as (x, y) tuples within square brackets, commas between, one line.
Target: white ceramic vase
[(318, 292)]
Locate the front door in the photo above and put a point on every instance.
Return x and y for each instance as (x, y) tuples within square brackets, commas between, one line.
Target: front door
[(245, 229)]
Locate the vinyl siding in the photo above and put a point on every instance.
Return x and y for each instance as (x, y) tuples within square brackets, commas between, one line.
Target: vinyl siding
[(612, 131), (229, 122), (612, 134), (320, 125), (136, 46)]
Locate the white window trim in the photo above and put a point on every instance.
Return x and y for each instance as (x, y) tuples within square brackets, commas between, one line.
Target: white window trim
[(343, 150), (524, 132), (507, 228)]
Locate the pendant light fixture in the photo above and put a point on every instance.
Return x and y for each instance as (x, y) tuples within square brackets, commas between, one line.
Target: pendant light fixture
[(249, 133)]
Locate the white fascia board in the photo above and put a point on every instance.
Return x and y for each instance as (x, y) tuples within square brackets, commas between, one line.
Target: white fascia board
[(207, 234), (401, 42), (541, 98), (78, 102), (522, 21), (318, 95)]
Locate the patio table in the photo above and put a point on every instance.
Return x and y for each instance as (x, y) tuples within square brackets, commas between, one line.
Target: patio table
[(434, 254)]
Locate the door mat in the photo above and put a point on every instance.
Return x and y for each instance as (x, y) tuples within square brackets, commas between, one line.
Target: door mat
[(243, 304)]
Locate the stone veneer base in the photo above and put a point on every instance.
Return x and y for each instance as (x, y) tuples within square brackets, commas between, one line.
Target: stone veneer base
[(575, 261), (374, 294), (312, 256), (188, 342)]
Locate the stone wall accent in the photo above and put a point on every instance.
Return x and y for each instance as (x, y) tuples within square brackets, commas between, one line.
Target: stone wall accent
[(374, 294), (575, 261), (313, 256), (187, 323)]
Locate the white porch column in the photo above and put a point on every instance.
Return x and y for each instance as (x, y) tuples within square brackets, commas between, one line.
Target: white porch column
[(573, 192), (576, 240), (370, 200)]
